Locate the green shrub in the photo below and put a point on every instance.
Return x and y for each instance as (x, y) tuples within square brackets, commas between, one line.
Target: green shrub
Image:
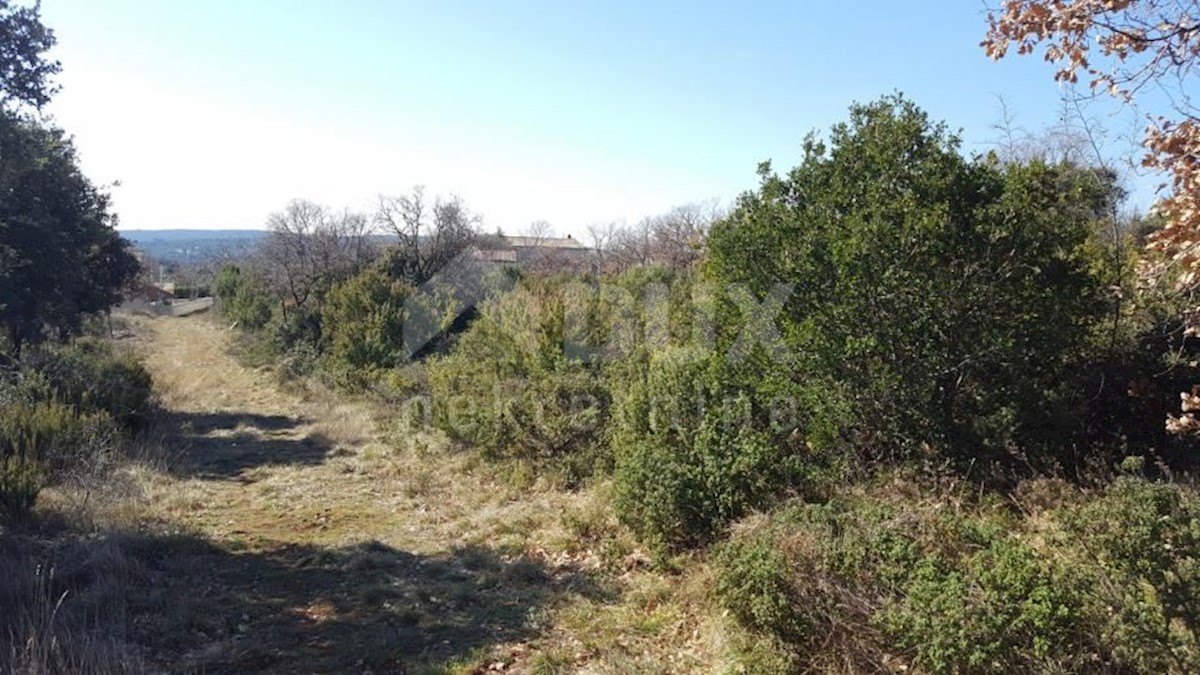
[(226, 282), (806, 581), (954, 590), (363, 321), (1107, 583), (694, 450), (243, 297), (403, 383), (18, 387), (946, 297), (298, 362), (865, 541), (511, 385), (1002, 609), (20, 482), (855, 582), (1117, 590), (755, 583), (43, 443), (90, 376), (59, 415), (1137, 549)]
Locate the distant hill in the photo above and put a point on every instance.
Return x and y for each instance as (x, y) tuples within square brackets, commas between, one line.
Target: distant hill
[(191, 246)]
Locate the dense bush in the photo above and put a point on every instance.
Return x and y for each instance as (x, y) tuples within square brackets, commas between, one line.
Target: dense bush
[(20, 466), (810, 578), (694, 449), (90, 376), (43, 443), (62, 409), (951, 592), (1001, 609), (512, 386), (363, 321), (947, 296), (1137, 550), (243, 297), (1107, 583), (296, 331), (755, 581)]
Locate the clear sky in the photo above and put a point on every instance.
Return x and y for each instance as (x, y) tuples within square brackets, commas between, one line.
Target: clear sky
[(213, 114)]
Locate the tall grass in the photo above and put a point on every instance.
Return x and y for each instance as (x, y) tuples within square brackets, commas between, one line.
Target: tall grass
[(45, 633)]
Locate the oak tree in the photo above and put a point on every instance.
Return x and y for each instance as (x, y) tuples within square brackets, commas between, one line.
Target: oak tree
[(60, 256), (1127, 48)]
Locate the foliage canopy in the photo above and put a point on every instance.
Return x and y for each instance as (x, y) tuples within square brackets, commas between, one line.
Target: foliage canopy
[(945, 295)]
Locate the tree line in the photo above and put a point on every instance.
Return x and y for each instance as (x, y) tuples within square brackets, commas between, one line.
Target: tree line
[(61, 258)]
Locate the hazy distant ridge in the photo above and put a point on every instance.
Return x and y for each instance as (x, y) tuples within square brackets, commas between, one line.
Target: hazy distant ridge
[(190, 235), (184, 246)]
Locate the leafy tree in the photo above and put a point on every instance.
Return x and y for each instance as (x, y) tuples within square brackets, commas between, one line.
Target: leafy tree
[(943, 297), (24, 71), (60, 257)]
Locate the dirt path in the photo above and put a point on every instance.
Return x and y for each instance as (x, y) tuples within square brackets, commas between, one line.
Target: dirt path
[(307, 534)]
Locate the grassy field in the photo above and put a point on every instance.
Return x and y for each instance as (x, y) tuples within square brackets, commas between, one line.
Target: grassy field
[(289, 529)]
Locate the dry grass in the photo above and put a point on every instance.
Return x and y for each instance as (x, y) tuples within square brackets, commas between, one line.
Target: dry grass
[(54, 621), (290, 529)]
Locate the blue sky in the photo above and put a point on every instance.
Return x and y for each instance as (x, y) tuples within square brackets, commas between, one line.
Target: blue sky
[(213, 114)]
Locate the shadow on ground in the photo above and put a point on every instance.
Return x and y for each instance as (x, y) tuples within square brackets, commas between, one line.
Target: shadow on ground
[(185, 605), (225, 445)]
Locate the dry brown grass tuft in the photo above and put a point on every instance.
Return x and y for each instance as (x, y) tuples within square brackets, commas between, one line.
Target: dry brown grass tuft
[(55, 624)]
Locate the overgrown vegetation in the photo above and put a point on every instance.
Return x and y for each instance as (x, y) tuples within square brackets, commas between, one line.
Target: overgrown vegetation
[(889, 307), (513, 387), (60, 257), (68, 405), (946, 297), (66, 412), (977, 588), (61, 262), (899, 408)]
